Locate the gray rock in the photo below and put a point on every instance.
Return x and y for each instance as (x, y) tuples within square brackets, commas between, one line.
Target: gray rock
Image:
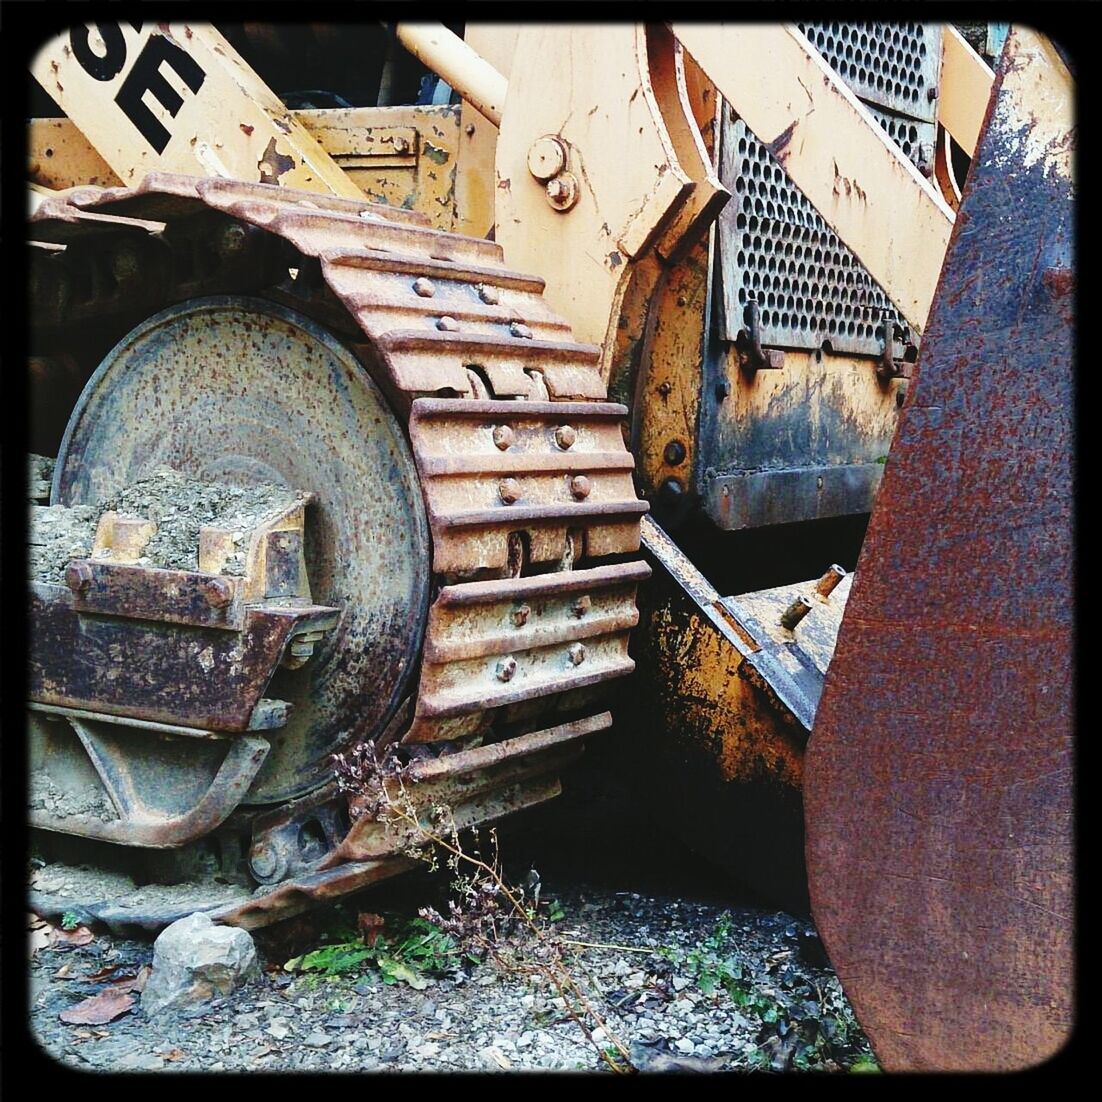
[(194, 960)]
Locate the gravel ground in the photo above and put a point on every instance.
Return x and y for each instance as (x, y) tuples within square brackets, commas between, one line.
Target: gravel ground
[(650, 982)]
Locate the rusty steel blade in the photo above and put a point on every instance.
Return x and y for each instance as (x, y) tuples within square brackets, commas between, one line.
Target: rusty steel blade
[(938, 778)]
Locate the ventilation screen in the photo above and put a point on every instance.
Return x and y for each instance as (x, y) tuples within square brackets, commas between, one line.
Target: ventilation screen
[(775, 248), (891, 65), (915, 137), (777, 251)]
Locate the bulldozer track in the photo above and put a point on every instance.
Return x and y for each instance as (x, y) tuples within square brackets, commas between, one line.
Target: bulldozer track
[(526, 478)]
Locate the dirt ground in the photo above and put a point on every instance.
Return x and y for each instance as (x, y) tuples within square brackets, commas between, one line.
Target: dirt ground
[(683, 977)]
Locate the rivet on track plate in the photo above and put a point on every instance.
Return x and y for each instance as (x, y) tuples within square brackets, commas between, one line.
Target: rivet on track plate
[(488, 294), (78, 576), (580, 486), (795, 612), (582, 605), (508, 490), (565, 436), (447, 324), (519, 329), (503, 436), (506, 668), (576, 653), (521, 614), (424, 287)]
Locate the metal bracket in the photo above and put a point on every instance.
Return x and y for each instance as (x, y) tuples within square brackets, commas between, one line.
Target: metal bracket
[(755, 358), (889, 365)]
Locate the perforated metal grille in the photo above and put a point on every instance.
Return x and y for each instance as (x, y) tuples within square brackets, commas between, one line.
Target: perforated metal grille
[(893, 65), (777, 250), (914, 137)]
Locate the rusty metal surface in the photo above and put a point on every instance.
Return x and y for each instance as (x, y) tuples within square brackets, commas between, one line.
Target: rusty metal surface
[(707, 737), (478, 785), (514, 474), (148, 669), (166, 790), (405, 156), (490, 644), (121, 904), (302, 892), (441, 316), (939, 776), (507, 790), (290, 405), (170, 596)]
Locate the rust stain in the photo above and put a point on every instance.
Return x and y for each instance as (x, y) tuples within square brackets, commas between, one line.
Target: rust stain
[(273, 164), (939, 806)]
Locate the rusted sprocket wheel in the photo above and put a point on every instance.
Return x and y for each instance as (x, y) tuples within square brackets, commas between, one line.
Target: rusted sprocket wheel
[(243, 390)]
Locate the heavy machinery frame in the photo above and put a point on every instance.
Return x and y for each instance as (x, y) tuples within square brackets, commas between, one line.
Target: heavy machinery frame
[(763, 356)]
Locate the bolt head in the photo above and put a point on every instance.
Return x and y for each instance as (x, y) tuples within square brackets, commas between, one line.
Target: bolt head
[(424, 287), (217, 592), (671, 489), (78, 576), (508, 490), (266, 862), (488, 294), (506, 668), (503, 436), (521, 614), (674, 453), (447, 324), (231, 241), (562, 191), (582, 605), (580, 486), (546, 157), (576, 653), (565, 436), (519, 329)]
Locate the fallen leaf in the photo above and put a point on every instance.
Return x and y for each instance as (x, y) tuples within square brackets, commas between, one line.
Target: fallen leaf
[(80, 936), (133, 983), (82, 1034), (500, 1059), (39, 939), (101, 1033), (173, 1054), (99, 1009), (63, 971)]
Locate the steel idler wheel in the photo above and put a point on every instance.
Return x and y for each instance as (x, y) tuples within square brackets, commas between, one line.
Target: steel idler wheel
[(241, 390)]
